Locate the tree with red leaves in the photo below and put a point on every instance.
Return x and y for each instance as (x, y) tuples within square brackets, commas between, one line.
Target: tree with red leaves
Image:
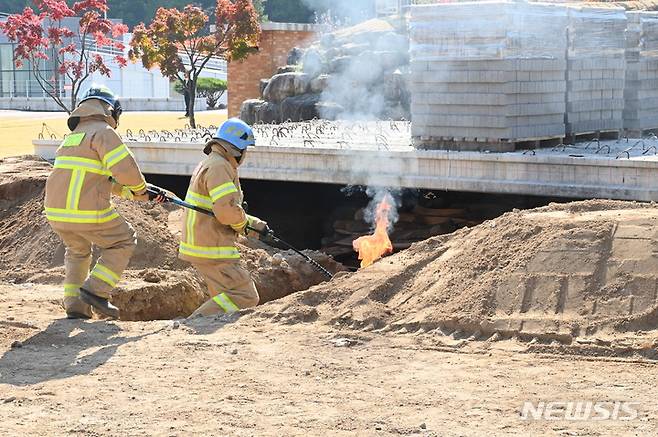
[(180, 42), (75, 52)]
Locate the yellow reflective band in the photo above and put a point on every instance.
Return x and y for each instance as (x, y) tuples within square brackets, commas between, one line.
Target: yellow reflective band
[(115, 156), (73, 140), (80, 216), (191, 218), (209, 252), (223, 190), (106, 275), (226, 303), (137, 188), (77, 163), (197, 199), (72, 290), (75, 188), (240, 225), (126, 193)]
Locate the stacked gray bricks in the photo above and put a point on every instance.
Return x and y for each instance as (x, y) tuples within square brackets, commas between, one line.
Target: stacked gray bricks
[(641, 91), (488, 74), (596, 69)]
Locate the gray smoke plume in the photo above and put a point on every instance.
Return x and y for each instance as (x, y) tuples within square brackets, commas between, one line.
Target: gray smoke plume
[(363, 71), (377, 194), (360, 71)]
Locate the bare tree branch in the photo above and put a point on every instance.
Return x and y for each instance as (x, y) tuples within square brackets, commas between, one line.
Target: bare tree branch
[(42, 83)]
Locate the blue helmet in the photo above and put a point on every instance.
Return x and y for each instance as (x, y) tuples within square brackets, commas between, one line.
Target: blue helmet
[(236, 132)]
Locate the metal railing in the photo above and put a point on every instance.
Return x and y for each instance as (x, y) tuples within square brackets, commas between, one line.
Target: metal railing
[(106, 50)]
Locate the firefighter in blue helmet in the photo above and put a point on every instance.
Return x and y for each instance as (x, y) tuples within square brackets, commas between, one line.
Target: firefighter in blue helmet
[(209, 242)]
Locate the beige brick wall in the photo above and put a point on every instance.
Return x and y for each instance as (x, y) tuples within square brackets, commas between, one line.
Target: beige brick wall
[(244, 76)]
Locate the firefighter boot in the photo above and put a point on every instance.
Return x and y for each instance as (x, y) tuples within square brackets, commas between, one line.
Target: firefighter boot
[(74, 306), (101, 304)]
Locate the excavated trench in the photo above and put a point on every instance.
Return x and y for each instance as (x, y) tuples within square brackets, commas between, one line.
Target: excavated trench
[(329, 217), (476, 265), (157, 285)]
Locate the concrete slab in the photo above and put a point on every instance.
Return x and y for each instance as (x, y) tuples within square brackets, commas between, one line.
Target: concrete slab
[(366, 157)]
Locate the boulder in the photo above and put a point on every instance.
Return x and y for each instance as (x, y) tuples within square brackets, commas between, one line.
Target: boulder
[(328, 40), (395, 111), (285, 85), (287, 69), (263, 84), (319, 84), (248, 110), (390, 60), (332, 53), (364, 69), (351, 49), (395, 87), (340, 64), (268, 113), (300, 108), (330, 110), (313, 62)]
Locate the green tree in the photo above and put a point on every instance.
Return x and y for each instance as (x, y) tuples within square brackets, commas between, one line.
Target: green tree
[(175, 34), (209, 87)]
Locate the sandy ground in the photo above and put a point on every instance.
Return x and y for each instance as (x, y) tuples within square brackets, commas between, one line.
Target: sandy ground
[(255, 377), (449, 337), (19, 128)]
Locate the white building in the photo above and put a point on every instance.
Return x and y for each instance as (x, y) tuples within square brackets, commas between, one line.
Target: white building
[(139, 88)]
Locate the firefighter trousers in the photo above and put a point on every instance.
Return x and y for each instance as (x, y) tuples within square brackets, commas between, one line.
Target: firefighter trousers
[(231, 288), (116, 245)]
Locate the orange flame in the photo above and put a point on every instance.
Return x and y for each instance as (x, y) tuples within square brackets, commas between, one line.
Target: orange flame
[(373, 247)]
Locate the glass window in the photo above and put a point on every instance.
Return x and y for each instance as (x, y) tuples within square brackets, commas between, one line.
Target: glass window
[(21, 85), (6, 57), (6, 83)]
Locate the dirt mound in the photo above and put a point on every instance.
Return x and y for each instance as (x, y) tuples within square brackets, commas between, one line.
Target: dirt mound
[(25, 237), (27, 242), (280, 273), (556, 273), (158, 294), (156, 284)]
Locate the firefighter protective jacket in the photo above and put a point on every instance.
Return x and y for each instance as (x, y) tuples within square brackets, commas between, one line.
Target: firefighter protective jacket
[(215, 187), (90, 164)]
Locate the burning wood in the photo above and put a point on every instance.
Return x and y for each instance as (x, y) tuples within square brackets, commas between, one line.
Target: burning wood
[(373, 247)]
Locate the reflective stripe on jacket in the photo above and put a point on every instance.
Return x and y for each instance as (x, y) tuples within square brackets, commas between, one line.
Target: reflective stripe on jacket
[(214, 186), (79, 187)]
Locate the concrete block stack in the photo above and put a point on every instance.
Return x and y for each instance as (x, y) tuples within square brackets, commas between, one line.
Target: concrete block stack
[(596, 69), (487, 75), (641, 90)]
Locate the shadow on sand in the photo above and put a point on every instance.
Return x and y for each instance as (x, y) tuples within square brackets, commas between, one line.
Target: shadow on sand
[(66, 348)]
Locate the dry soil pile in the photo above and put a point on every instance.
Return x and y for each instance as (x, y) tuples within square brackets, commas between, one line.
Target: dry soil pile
[(555, 273), (158, 284)]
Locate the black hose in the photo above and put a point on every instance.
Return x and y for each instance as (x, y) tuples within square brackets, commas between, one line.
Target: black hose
[(157, 191)]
